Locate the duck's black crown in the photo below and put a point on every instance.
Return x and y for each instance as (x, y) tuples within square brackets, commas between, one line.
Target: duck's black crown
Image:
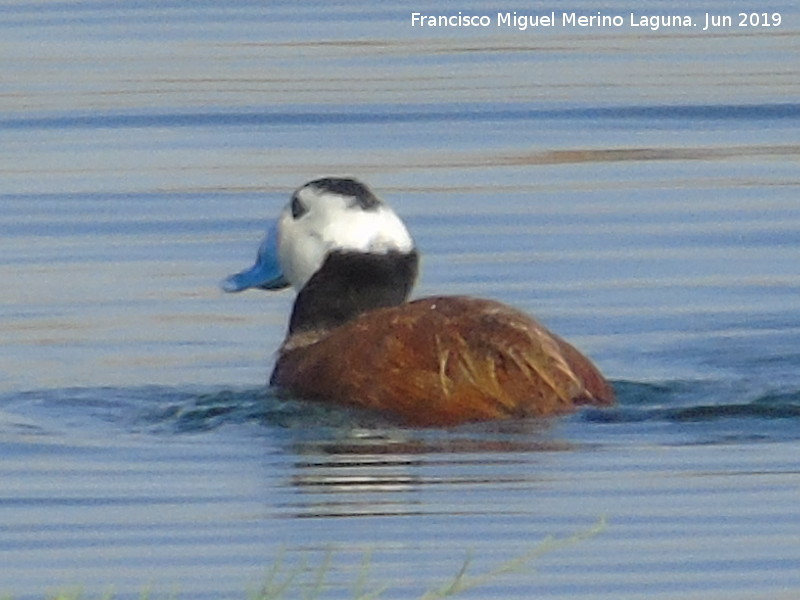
[(345, 186)]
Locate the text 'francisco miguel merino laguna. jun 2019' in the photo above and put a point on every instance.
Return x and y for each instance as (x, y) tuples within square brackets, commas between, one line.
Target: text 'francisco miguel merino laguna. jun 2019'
[(521, 21)]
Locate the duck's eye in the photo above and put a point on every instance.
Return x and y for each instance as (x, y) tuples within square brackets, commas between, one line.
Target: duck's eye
[(298, 208)]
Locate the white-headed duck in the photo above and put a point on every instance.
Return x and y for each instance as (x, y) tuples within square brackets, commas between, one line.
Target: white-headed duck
[(354, 339)]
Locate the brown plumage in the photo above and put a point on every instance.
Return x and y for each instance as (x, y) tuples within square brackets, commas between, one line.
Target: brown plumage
[(442, 361)]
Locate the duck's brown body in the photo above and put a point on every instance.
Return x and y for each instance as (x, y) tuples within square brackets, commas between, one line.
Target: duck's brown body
[(442, 361)]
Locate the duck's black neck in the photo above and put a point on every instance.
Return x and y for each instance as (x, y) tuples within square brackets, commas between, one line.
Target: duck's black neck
[(351, 283)]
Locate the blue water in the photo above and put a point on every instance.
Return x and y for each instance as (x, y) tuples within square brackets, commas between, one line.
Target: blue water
[(636, 191)]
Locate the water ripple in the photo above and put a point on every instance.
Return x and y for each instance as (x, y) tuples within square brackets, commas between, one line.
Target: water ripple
[(161, 410), (415, 113)]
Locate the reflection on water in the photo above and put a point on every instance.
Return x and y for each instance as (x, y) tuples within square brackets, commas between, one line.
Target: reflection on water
[(223, 476), (638, 199)]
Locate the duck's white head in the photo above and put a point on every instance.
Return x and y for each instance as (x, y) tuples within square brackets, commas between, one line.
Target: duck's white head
[(323, 216)]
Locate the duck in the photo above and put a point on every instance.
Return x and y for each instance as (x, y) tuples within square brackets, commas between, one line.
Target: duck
[(355, 339)]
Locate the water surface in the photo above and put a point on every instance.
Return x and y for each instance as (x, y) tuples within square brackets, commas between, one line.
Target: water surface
[(637, 191)]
